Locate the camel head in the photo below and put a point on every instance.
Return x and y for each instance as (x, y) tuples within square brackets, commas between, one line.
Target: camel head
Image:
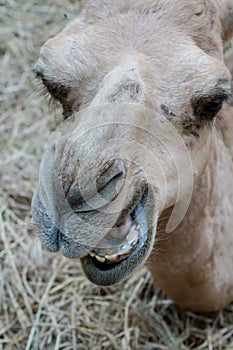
[(141, 84)]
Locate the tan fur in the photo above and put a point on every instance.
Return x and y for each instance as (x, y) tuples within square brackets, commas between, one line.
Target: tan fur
[(158, 55)]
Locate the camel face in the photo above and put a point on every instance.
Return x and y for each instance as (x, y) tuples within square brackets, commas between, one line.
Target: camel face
[(141, 85)]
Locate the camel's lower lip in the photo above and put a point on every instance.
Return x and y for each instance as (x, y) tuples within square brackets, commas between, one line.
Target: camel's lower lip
[(108, 273)]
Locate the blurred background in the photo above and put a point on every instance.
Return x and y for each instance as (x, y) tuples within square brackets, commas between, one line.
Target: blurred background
[(45, 300)]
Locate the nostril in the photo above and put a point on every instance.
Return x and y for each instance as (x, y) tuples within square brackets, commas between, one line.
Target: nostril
[(112, 171), (111, 189), (110, 180)]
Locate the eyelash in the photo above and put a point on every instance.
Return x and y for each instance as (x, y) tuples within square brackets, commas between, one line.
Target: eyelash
[(57, 91)]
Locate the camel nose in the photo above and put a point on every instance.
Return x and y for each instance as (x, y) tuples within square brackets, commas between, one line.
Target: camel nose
[(92, 195)]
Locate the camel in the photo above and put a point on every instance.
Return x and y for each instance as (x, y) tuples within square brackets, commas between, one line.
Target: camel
[(140, 171)]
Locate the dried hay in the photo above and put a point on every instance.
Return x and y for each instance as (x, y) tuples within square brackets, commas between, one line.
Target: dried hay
[(46, 302)]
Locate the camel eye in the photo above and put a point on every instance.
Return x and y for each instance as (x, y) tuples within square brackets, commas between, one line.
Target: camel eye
[(207, 108), (210, 109)]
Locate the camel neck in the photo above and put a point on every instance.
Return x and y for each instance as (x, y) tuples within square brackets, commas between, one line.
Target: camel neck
[(187, 263)]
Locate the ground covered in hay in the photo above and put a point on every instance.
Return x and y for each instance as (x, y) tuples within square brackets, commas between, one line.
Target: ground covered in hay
[(45, 301)]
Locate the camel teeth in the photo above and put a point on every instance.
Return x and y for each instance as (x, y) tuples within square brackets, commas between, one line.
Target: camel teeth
[(111, 255), (117, 257), (113, 258), (133, 240), (100, 259), (129, 251)]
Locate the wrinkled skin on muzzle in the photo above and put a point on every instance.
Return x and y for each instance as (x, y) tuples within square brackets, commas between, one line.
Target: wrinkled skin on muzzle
[(101, 172)]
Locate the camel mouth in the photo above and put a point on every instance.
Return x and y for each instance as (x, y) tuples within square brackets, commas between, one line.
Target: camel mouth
[(116, 253), (107, 266)]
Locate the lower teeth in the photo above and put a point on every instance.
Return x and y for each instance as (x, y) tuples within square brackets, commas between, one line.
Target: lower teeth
[(122, 252)]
